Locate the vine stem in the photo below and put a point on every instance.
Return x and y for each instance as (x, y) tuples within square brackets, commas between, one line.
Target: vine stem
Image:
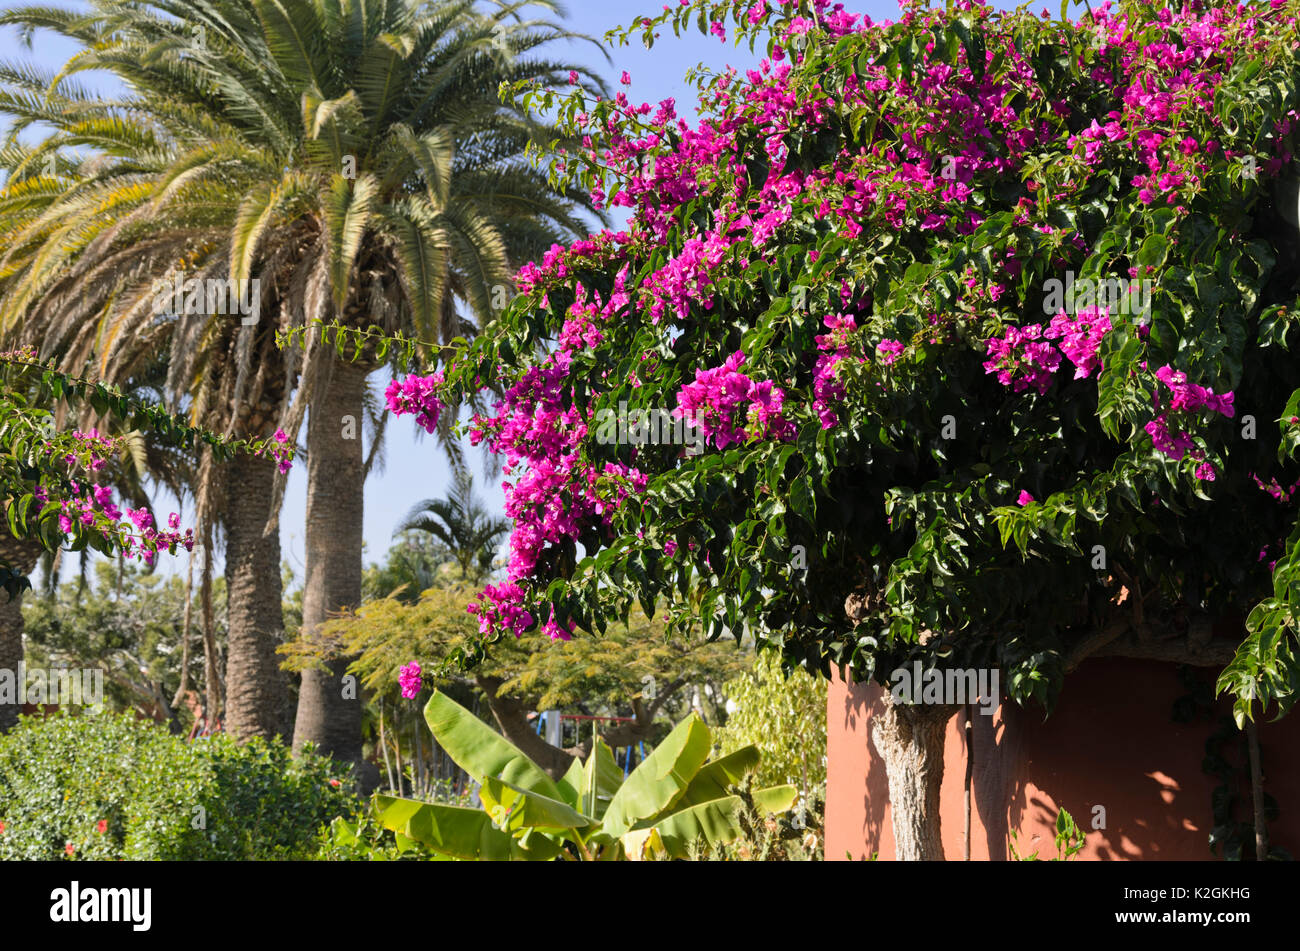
[(970, 770), (1257, 789)]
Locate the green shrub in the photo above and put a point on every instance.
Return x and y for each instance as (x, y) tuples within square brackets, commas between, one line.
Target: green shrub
[(766, 695), (112, 787)]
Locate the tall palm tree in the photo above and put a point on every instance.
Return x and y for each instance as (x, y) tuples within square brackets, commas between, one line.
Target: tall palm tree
[(76, 279), (461, 523), (350, 155)]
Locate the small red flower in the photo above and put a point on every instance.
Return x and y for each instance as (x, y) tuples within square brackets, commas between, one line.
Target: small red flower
[(101, 826), (69, 848), (335, 783), (2, 828)]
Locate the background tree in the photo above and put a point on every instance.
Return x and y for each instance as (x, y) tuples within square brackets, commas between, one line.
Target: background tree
[(129, 623), (635, 671), (765, 695), (52, 480), (369, 175), (99, 240), (462, 524)]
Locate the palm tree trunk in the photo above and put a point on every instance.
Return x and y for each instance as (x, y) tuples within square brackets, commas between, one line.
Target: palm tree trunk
[(21, 555), (257, 695), (329, 707), (211, 673)]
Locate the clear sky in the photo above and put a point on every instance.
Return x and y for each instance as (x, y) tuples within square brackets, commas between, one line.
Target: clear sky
[(415, 467)]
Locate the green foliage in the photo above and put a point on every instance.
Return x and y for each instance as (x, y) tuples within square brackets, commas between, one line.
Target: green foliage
[(364, 839), (412, 564), (765, 837), (386, 634), (769, 694), (673, 799), (924, 528), (129, 622), (462, 525), (1069, 841), (159, 797)]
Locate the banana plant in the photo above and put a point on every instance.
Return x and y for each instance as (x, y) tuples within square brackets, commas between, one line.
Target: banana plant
[(673, 798)]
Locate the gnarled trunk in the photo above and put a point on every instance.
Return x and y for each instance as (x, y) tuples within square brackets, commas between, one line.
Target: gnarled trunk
[(329, 708), (21, 555), (257, 694), (910, 739)]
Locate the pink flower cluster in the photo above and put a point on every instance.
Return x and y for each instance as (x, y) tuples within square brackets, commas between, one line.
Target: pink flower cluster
[(889, 350), (410, 679), (1273, 488), (280, 451), (559, 495), (418, 395), (731, 407), (827, 388), (1188, 397), (1023, 357), (1184, 398), (500, 608), (556, 633), (93, 449), (686, 277), (1080, 336), (92, 506)]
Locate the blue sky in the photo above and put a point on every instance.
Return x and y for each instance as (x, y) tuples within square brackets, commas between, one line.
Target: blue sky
[(415, 467)]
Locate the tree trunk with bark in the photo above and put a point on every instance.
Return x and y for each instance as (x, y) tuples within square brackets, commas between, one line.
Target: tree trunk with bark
[(511, 714), (21, 555), (257, 693), (329, 704), (910, 739)]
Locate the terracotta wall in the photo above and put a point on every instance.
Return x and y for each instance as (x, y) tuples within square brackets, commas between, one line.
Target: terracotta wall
[(1111, 741)]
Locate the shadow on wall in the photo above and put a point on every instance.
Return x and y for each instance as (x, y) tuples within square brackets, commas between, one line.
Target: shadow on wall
[(860, 763), (1110, 753)]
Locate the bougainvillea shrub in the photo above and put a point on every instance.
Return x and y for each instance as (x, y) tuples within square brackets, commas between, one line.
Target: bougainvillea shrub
[(984, 318)]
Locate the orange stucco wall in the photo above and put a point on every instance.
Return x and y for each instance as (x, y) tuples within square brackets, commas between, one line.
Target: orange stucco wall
[(1111, 741)]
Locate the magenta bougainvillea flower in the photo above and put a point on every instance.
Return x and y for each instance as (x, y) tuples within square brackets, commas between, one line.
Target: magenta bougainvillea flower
[(735, 193), (417, 395), (409, 678), (889, 350), (730, 407)]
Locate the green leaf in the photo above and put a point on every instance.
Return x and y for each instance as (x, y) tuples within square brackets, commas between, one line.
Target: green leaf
[(661, 778), (714, 822), (456, 831), (775, 799), (715, 780), (512, 808), (481, 751)]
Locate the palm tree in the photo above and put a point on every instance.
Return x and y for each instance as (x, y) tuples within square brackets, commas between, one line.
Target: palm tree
[(90, 235), (217, 371), (353, 158), (461, 523)]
